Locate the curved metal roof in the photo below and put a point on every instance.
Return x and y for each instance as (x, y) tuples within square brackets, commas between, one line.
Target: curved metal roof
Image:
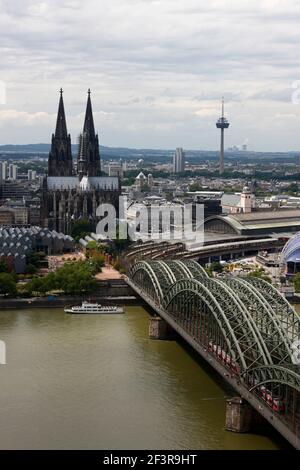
[(291, 251)]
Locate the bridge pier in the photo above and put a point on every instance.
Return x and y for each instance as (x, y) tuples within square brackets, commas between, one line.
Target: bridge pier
[(160, 329), (240, 416)]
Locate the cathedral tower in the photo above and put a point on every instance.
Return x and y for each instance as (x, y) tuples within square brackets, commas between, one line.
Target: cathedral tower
[(88, 160), (60, 156)]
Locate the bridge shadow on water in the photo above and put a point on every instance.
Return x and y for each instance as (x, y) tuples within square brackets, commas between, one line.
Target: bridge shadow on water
[(262, 428)]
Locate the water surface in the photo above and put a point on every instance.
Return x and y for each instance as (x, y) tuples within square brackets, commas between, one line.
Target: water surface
[(98, 382)]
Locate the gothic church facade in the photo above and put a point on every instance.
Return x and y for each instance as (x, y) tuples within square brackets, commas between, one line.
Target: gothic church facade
[(69, 195)]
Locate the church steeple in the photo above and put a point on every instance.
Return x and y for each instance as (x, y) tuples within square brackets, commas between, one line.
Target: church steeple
[(89, 120), (61, 125), (60, 156), (88, 160)]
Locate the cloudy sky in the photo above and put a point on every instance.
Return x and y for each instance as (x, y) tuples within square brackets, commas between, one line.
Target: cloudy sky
[(157, 70)]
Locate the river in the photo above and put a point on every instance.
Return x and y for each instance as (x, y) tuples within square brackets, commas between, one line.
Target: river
[(98, 382)]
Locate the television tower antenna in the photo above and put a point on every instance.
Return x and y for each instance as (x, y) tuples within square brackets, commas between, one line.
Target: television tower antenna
[(222, 124)]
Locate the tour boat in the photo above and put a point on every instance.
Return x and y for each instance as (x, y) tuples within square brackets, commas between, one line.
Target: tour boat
[(87, 307)]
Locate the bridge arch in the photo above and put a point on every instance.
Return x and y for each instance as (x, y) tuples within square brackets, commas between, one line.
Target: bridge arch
[(282, 375), (217, 318), (285, 313), (264, 317), (184, 270), (148, 279)]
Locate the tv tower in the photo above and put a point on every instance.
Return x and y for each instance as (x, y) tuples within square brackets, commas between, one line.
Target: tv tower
[(222, 124)]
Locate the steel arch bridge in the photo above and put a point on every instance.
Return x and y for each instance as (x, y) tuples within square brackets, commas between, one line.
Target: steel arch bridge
[(244, 327)]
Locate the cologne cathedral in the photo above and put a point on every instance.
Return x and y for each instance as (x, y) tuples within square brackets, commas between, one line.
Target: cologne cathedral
[(70, 195)]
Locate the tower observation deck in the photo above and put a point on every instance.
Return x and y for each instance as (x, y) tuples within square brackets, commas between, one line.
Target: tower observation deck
[(222, 124)]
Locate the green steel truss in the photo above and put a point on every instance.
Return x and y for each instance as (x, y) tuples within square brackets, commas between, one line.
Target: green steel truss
[(285, 313), (264, 316), (287, 376), (246, 321)]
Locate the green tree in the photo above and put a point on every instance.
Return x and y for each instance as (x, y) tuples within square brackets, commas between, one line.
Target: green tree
[(296, 282), (38, 285), (3, 266), (30, 269), (195, 187), (260, 273), (34, 258), (80, 229), (8, 285), (72, 278), (92, 245), (216, 267), (97, 262)]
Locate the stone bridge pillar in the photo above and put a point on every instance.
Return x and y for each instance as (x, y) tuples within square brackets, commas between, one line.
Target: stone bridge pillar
[(160, 329), (240, 416)]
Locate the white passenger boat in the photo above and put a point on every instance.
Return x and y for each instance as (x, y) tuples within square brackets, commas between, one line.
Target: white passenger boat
[(88, 308)]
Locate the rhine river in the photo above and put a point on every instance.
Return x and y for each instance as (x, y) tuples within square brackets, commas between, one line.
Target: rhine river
[(98, 382)]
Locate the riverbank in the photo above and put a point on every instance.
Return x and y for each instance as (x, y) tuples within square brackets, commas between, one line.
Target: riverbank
[(113, 292)]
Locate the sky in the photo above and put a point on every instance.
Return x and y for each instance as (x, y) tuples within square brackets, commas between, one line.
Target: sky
[(157, 70)]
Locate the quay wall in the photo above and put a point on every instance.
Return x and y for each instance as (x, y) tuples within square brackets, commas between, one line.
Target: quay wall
[(112, 292)]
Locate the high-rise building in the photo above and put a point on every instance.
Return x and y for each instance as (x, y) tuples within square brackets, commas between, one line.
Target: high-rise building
[(12, 172), (222, 124), (179, 161), (31, 175), (3, 170)]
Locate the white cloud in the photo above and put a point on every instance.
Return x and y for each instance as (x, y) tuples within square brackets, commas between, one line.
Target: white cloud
[(157, 69), (13, 116)]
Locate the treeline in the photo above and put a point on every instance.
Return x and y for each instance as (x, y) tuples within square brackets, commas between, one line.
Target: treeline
[(72, 278), (259, 175)]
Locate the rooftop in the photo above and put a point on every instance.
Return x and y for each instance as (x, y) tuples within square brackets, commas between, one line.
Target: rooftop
[(271, 216)]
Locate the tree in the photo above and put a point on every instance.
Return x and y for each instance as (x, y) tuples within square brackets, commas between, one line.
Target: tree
[(216, 267), (260, 273), (38, 285), (92, 245), (30, 269), (195, 187), (80, 229), (209, 271), (34, 258), (296, 282), (97, 262), (8, 285), (73, 278), (3, 266)]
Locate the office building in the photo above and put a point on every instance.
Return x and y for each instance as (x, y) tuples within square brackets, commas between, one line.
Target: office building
[(179, 161)]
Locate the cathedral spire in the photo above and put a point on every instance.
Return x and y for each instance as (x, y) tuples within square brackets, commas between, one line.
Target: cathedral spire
[(89, 120), (61, 124), (60, 156), (88, 160)]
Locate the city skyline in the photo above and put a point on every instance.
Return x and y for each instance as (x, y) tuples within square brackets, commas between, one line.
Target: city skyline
[(142, 99)]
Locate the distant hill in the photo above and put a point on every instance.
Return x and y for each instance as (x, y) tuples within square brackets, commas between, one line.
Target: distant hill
[(152, 155), (29, 148), (106, 152), (44, 148)]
